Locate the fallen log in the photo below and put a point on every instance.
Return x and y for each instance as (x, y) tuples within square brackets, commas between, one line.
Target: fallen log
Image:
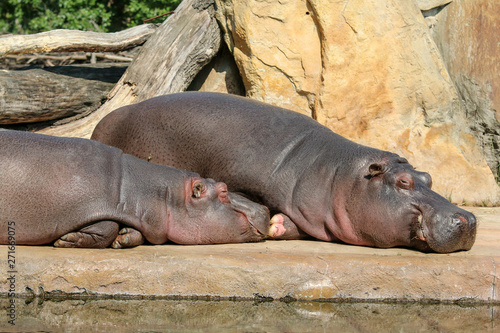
[(42, 94), (167, 63), (75, 56), (63, 40)]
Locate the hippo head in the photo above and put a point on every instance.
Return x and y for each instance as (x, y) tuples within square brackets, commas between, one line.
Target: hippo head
[(395, 206), (212, 215)]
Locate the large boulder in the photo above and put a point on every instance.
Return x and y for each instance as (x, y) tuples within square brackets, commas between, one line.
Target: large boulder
[(276, 48), (368, 70), (466, 33)]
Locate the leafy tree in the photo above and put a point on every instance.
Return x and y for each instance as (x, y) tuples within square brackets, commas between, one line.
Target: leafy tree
[(31, 16)]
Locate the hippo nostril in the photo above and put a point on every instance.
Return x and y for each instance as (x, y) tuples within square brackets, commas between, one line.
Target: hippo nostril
[(464, 220), (223, 197), (457, 222), (222, 193)]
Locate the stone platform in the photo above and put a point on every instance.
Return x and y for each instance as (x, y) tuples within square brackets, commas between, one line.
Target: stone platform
[(303, 270)]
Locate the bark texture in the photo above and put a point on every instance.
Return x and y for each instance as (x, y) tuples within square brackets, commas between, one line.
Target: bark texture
[(43, 94)]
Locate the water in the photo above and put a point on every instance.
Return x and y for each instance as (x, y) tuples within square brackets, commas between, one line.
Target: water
[(111, 315)]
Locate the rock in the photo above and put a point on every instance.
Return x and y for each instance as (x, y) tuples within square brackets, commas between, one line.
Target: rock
[(466, 33), (370, 72), (268, 43)]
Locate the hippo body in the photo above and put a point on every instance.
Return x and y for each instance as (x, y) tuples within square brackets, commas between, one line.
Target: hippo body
[(317, 183), (79, 192)]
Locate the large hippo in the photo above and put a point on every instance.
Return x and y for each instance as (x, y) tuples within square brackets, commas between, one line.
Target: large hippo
[(315, 181), (79, 192)]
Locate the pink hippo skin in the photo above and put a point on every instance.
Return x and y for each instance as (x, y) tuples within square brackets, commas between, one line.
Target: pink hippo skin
[(315, 182), (79, 193)]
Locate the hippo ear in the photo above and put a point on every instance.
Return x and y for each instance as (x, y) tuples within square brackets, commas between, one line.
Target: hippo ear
[(376, 169)]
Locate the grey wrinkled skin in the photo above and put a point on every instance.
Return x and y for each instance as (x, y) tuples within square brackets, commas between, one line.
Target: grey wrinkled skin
[(78, 193), (322, 184)]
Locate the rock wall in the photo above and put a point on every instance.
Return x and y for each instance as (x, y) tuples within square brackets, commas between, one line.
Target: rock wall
[(466, 33), (277, 50), (370, 71)]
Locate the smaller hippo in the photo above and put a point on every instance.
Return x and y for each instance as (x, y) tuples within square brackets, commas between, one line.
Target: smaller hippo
[(78, 193)]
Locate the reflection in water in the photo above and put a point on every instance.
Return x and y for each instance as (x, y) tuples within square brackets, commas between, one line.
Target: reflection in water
[(243, 316)]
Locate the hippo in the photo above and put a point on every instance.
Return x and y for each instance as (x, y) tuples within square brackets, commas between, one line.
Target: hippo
[(314, 182), (77, 192)]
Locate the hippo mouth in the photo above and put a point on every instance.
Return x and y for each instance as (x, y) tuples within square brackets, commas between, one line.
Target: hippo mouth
[(254, 229), (420, 238), (420, 228), (257, 231)]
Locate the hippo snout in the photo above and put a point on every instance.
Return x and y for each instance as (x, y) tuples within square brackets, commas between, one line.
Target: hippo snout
[(257, 215), (451, 232)]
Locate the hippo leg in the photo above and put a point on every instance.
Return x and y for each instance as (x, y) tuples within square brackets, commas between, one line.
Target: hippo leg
[(281, 227), (128, 237), (97, 235)]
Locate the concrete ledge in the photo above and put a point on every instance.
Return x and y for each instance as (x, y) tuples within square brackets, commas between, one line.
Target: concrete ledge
[(303, 270)]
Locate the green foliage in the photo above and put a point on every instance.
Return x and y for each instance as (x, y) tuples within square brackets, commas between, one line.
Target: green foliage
[(139, 10), (31, 16)]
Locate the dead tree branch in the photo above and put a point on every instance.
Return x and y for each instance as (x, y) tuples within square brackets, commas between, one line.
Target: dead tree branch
[(63, 40)]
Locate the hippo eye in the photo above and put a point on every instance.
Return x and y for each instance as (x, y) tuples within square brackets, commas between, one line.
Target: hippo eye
[(405, 183), (198, 189)]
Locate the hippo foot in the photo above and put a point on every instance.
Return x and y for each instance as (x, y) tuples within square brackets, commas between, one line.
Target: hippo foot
[(128, 237), (281, 227), (276, 227), (97, 235)]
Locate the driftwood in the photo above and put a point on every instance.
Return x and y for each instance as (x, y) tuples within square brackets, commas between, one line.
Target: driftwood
[(42, 94), (167, 63), (27, 59), (63, 40)]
